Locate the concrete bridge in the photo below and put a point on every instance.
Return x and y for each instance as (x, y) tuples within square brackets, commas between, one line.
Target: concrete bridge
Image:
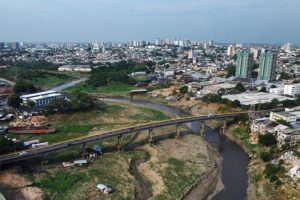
[(119, 133)]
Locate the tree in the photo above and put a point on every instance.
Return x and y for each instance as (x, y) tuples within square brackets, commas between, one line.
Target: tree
[(240, 87), (184, 89), (211, 98), (14, 101), (270, 170), (266, 156), (263, 89), (267, 139), (283, 122), (230, 71), (273, 86)]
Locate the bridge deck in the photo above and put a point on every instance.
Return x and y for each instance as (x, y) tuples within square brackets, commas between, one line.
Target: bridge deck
[(14, 157)]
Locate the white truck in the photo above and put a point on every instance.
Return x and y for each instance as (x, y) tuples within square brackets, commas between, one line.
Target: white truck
[(39, 145)]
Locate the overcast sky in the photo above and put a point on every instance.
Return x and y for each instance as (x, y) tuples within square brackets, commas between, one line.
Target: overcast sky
[(269, 21)]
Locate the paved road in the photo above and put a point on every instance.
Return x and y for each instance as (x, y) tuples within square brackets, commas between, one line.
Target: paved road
[(7, 81), (14, 157)]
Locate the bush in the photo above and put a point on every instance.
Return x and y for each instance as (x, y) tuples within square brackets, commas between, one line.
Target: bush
[(267, 139), (266, 156), (270, 170), (184, 89)]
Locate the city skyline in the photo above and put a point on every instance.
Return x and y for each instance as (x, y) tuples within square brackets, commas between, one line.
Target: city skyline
[(233, 21)]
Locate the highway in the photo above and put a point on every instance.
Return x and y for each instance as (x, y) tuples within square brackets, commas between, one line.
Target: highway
[(14, 157)]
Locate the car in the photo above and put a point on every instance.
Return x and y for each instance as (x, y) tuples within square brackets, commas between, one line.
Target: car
[(104, 189), (22, 153), (211, 114)]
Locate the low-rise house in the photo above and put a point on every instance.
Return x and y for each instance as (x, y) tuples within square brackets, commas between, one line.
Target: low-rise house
[(193, 87), (286, 116), (295, 173), (41, 98), (75, 68), (288, 137)]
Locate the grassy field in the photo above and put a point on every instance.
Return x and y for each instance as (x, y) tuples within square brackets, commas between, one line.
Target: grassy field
[(79, 124), (110, 89), (80, 183), (42, 79)]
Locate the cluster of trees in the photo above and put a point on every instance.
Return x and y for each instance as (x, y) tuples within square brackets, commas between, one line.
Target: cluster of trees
[(267, 139), (216, 98), (117, 73), (7, 146), (79, 102), (286, 123), (20, 87), (272, 170)]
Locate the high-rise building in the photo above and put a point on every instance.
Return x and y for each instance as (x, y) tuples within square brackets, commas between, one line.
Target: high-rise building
[(2, 45), (267, 66), (231, 50), (244, 65), (256, 52), (287, 47), (191, 54), (211, 43)]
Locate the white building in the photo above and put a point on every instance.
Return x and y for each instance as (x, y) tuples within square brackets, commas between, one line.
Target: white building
[(75, 68), (41, 98), (286, 116), (253, 98), (231, 50), (292, 90), (288, 137)]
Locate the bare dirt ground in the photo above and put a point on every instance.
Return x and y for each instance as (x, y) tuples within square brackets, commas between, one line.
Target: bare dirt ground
[(190, 149), (14, 186)]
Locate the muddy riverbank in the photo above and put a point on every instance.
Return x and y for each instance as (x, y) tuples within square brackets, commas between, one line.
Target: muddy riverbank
[(234, 159)]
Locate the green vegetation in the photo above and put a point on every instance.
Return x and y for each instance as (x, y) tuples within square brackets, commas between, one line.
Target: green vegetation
[(110, 169), (267, 139), (286, 123), (78, 102), (41, 78), (230, 71), (66, 132), (7, 146), (271, 172), (266, 156), (183, 89), (242, 133), (240, 88), (176, 179), (115, 74), (61, 182), (148, 114), (158, 87), (109, 89)]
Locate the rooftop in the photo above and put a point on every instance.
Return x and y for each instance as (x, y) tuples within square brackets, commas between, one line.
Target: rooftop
[(253, 98)]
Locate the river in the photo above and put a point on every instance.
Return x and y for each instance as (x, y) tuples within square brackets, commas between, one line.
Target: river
[(235, 160)]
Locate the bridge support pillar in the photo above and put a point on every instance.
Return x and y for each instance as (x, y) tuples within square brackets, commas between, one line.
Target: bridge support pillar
[(202, 129), (84, 150), (120, 143), (150, 140), (178, 135)]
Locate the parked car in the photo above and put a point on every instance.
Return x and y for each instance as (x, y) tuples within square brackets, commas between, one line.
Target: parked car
[(212, 114), (104, 189), (22, 153)]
